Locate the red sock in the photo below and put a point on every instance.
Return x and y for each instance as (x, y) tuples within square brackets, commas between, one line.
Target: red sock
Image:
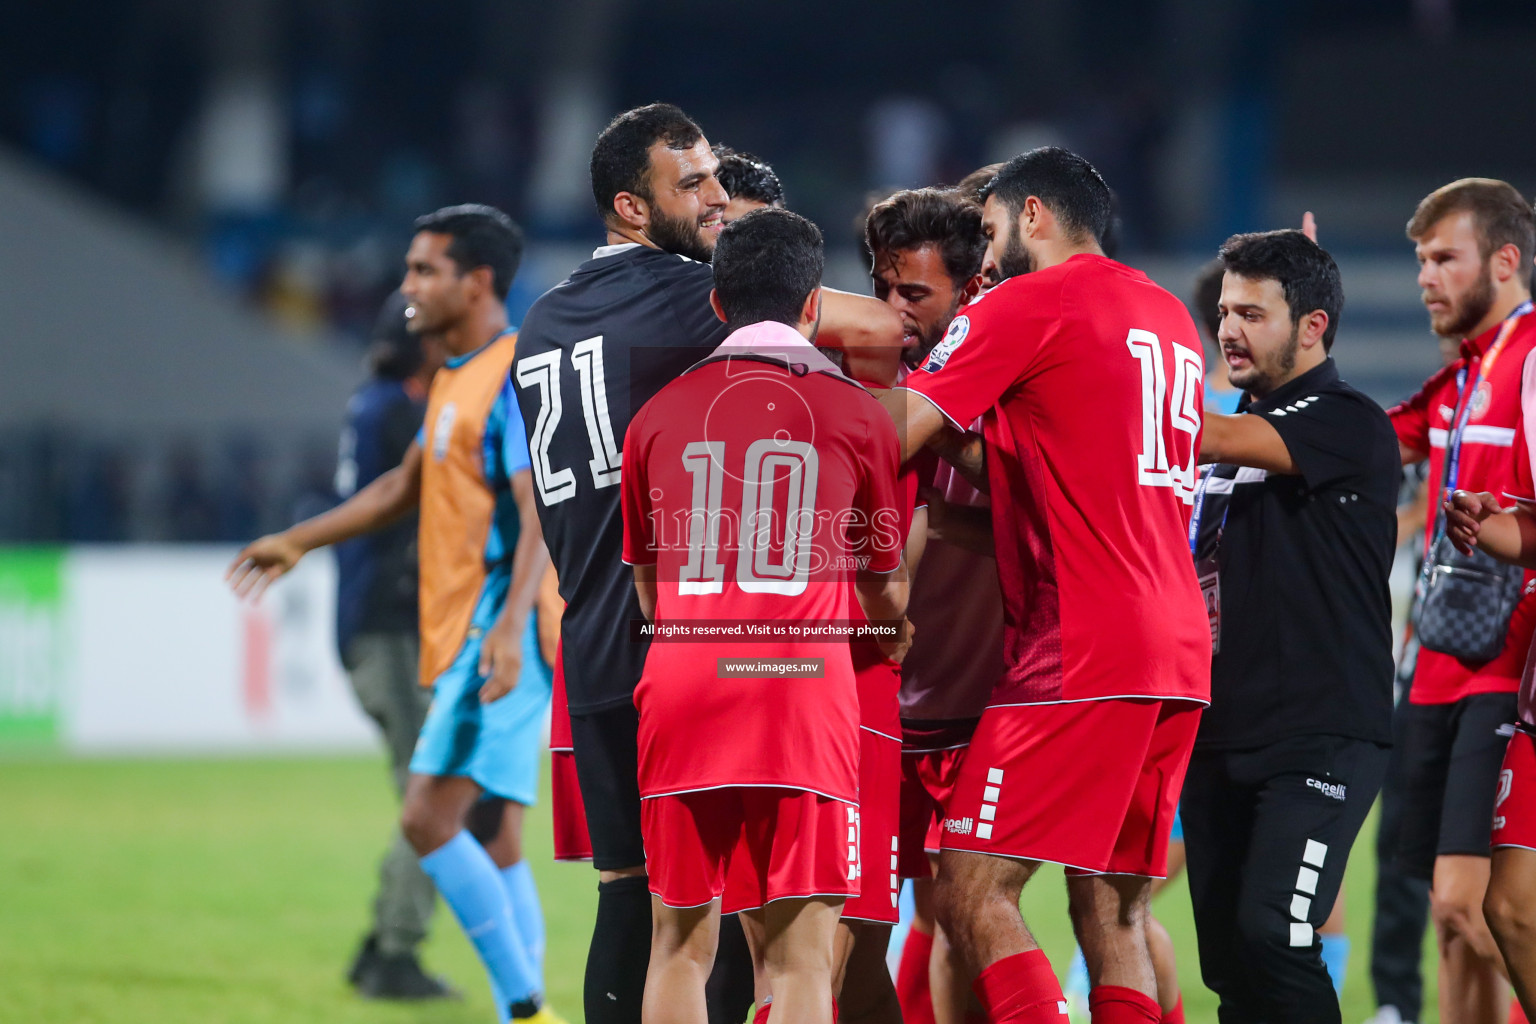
[(1114, 1004), (1516, 1014), (1021, 989), (1175, 1015), (761, 1016), (912, 979)]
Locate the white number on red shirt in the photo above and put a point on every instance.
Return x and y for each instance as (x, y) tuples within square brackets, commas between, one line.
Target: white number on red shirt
[(759, 568), (703, 573), (1179, 408)]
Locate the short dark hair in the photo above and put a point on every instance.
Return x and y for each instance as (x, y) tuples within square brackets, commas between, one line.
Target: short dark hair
[(1500, 215), (621, 157), (929, 216), (483, 236), (1207, 298), (766, 264), (1067, 184), (744, 176), (1307, 275), (394, 352), (971, 185)]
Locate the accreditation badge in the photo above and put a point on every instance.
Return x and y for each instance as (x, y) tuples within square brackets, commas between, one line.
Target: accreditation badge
[(1209, 575)]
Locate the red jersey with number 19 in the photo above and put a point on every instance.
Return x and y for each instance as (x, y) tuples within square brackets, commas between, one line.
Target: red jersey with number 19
[(1090, 377), (756, 483)]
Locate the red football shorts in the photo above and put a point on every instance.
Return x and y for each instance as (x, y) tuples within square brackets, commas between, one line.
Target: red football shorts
[(571, 839), (774, 843), (879, 817), (1514, 812), (1091, 785), (928, 780)]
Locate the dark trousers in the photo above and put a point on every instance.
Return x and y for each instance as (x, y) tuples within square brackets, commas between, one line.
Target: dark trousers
[(382, 668), (1402, 901), (1267, 834)]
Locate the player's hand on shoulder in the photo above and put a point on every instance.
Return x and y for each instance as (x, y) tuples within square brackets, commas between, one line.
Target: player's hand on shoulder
[(501, 662), (897, 649), (260, 562), (1464, 515)]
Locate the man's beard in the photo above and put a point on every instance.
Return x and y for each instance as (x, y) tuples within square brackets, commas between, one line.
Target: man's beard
[(679, 235), (1015, 259), (1474, 306), (927, 342), (1263, 380)]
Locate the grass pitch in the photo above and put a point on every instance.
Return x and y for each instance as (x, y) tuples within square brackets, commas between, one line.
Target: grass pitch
[(235, 892)]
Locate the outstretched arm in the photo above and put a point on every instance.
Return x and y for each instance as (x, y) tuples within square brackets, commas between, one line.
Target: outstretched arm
[(919, 423), (376, 506), (917, 419), (1245, 440), (866, 330)]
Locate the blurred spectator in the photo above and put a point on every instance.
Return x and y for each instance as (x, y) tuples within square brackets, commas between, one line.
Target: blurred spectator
[(97, 507), (376, 635), (191, 513), (317, 475), (242, 490)]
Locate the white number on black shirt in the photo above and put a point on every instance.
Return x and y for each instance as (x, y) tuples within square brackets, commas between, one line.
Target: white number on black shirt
[(588, 358), (1179, 409), (758, 569), (543, 371)]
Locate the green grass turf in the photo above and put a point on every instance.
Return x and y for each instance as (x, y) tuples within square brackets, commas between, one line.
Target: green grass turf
[(235, 891)]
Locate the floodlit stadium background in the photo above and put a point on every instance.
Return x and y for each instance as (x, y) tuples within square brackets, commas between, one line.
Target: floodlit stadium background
[(202, 203)]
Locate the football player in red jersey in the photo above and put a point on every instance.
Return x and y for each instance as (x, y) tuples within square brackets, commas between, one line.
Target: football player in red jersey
[(606, 339), (969, 189), (926, 248), (748, 745), (1079, 757), (1474, 240)]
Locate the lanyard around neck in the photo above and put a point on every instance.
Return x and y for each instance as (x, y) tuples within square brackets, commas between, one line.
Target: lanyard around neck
[(1198, 512), (1465, 396)]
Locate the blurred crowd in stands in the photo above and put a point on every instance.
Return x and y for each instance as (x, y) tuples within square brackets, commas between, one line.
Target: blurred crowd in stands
[(56, 486), (292, 143)]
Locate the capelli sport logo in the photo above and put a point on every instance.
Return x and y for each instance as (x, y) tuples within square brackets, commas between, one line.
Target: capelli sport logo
[(1334, 790), (959, 327)]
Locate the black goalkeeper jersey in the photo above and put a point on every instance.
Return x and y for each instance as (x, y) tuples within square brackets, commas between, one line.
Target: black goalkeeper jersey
[(590, 353)]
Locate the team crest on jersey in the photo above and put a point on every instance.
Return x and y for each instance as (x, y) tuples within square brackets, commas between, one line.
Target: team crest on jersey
[(442, 431), (958, 329), (1481, 399)]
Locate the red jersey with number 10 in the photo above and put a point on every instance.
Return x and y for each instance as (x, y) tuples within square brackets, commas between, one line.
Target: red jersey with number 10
[(1091, 381), (757, 484)]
